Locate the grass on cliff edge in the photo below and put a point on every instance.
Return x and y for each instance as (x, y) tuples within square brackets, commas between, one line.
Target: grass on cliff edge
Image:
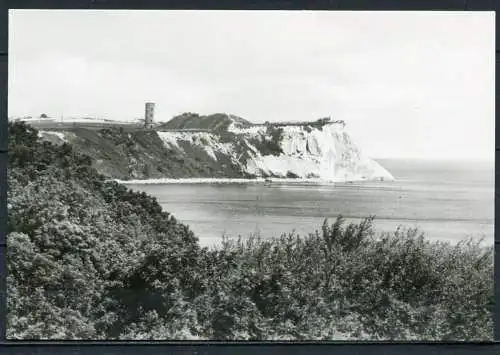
[(89, 259)]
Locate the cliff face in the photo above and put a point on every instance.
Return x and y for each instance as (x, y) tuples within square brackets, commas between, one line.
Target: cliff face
[(234, 149), (325, 152)]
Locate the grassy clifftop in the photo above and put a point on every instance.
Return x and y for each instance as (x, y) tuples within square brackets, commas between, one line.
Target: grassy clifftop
[(216, 122), (89, 259)]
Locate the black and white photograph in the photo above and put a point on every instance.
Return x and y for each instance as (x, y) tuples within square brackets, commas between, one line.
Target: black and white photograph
[(251, 175)]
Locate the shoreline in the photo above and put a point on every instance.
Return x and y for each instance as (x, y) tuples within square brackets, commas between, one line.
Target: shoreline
[(160, 181), (220, 181)]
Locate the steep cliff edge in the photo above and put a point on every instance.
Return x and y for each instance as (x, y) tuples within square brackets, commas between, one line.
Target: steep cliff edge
[(225, 146)]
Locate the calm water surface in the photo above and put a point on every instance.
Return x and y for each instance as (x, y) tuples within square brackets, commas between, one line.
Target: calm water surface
[(448, 200)]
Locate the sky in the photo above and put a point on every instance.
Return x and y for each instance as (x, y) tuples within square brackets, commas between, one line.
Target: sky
[(408, 84)]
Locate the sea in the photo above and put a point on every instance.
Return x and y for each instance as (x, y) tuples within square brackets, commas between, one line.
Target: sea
[(447, 200)]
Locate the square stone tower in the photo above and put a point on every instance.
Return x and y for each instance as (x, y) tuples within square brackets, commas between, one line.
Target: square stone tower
[(149, 115)]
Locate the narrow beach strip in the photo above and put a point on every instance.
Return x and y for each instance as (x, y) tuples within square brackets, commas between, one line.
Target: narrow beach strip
[(223, 181)]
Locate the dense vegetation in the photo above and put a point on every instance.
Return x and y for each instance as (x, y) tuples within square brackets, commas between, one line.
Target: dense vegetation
[(91, 259), (143, 155)]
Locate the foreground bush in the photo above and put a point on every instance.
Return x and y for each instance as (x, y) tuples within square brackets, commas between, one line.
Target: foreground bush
[(89, 259), (75, 241), (347, 283)]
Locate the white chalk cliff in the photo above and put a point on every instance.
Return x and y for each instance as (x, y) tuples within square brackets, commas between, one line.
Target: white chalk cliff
[(325, 153)]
